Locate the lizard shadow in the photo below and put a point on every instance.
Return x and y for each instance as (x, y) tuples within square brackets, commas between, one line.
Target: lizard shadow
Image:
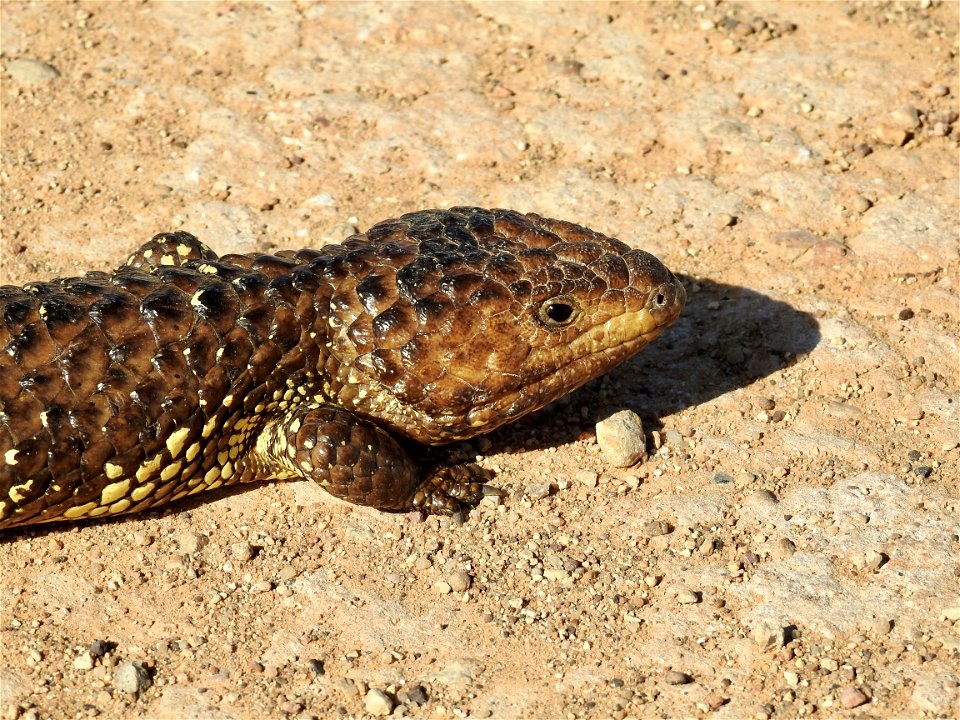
[(728, 337)]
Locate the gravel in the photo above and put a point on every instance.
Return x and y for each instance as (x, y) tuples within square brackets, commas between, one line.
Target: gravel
[(790, 356)]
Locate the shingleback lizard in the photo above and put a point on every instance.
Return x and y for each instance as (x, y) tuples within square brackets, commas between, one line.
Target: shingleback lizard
[(182, 372)]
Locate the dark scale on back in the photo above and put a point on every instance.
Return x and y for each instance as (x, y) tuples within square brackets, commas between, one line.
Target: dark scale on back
[(183, 372)]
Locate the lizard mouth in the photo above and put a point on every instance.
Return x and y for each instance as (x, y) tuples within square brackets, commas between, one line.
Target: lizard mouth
[(629, 332)]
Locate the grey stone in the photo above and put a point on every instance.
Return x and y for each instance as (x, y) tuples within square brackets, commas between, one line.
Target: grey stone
[(131, 677), (621, 438)]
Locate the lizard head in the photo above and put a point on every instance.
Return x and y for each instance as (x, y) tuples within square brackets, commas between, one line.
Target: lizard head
[(445, 324)]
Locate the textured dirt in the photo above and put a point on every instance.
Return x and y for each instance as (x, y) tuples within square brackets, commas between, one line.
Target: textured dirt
[(791, 546)]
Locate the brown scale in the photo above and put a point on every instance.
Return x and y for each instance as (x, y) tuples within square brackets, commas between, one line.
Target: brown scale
[(181, 371)]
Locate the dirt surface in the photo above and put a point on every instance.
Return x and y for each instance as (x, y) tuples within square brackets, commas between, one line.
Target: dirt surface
[(792, 545)]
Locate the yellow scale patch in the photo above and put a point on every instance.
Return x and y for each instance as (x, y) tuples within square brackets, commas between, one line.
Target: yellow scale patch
[(120, 505), (210, 426), (115, 491), (171, 471), (176, 441), (18, 492), (192, 452), (143, 491), (149, 467), (79, 511)]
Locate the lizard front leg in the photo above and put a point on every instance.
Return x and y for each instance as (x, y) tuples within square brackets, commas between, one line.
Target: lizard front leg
[(357, 461)]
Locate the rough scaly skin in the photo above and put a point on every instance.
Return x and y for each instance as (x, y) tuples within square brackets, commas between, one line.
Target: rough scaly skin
[(181, 372)]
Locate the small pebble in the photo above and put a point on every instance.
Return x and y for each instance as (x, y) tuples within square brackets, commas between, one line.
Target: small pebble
[(905, 314), (99, 648), (27, 71), (951, 613), (763, 497), (940, 129), (722, 478), (940, 90), (673, 437), (784, 548), (261, 587), (587, 477), (191, 542), (923, 471), (83, 661), (860, 204), (538, 490), (851, 697), (724, 220), (829, 664), (655, 528), (674, 677), (460, 581), (889, 135), (906, 117), (417, 695), (131, 677), (768, 635), (242, 551), (686, 596), (873, 560), (377, 702), (715, 701), (621, 438)]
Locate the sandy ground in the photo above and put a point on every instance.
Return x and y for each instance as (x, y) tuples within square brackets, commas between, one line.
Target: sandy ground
[(791, 547)]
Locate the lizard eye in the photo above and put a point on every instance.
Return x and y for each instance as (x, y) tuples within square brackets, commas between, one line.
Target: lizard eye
[(558, 312)]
